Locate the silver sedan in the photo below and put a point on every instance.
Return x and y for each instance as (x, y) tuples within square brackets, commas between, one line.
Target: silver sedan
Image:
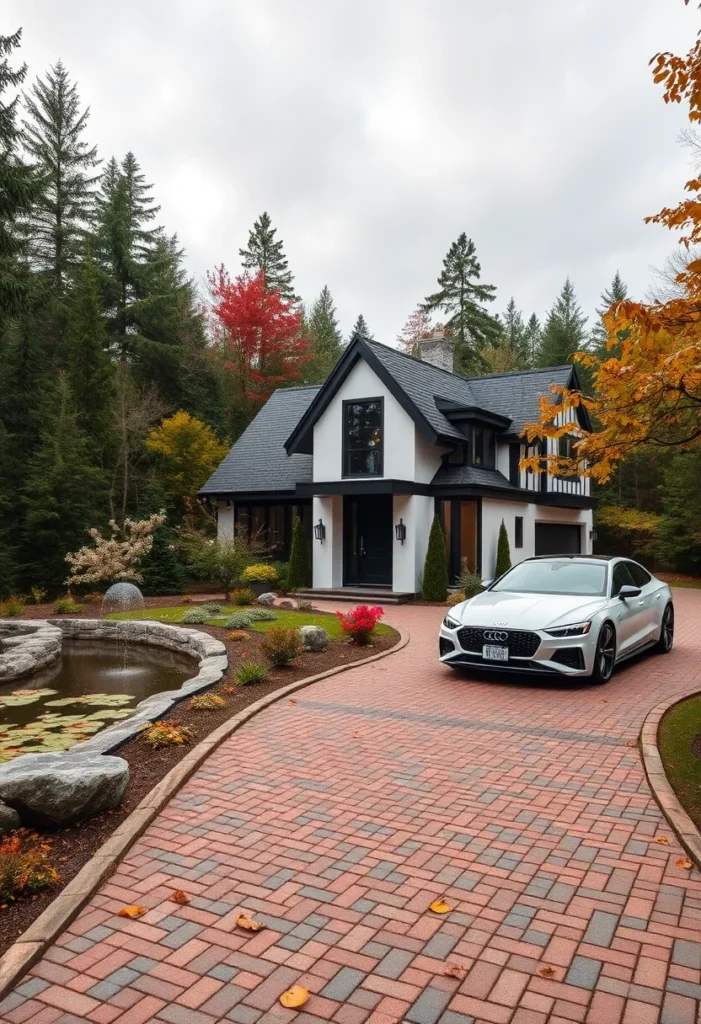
[(570, 615)]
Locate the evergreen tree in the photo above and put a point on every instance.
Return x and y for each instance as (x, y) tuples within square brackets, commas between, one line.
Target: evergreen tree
[(23, 377), (510, 350), (64, 495), (435, 577), (265, 254), (360, 327), (564, 333), (53, 136), (89, 368), (326, 343), (503, 552), (7, 518), (19, 188), (161, 570), (680, 534), (616, 292), (533, 334), (298, 575), (463, 298)]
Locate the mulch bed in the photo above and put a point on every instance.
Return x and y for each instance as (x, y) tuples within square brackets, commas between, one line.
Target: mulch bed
[(74, 845)]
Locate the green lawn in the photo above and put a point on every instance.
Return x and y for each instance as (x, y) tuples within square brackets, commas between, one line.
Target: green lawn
[(288, 619), (695, 584), (678, 730)]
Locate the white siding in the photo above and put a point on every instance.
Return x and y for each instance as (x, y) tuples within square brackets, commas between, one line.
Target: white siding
[(494, 511), (408, 558), (225, 519), (327, 555)]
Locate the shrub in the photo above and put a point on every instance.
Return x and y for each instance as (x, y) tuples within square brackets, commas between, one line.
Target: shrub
[(238, 635), (195, 616), (305, 606), (281, 646), (211, 607), (503, 552), (360, 623), (243, 596), (470, 583), (94, 597), (261, 615), (259, 574), (207, 702), (250, 672), (67, 606), (298, 574), (38, 594), (239, 620), (168, 734), (12, 607), (435, 575), (25, 867), (283, 575), (454, 599)]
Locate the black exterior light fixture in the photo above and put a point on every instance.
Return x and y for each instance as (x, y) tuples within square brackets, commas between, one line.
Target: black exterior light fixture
[(400, 531), (320, 531)]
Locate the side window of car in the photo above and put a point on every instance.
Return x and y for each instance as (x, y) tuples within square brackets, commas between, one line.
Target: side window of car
[(621, 578), (641, 577)]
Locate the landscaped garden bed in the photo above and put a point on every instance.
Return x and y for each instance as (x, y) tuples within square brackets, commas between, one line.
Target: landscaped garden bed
[(72, 846), (679, 741)]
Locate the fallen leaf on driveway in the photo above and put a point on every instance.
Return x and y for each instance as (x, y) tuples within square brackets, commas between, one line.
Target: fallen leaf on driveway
[(546, 972), (295, 996), (455, 971), (356, 734), (293, 700), (662, 840), (605, 701), (631, 743), (440, 906), (249, 924), (132, 912), (684, 862), (180, 897)]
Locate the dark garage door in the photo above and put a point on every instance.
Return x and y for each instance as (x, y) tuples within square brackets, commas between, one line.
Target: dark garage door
[(557, 539)]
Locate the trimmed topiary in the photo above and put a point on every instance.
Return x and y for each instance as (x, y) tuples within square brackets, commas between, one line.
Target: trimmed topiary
[(503, 552), (435, 575), (239, 620), (298, 574)]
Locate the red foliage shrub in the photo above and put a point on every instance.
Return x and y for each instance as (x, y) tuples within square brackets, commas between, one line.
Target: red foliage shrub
[(360, 623)]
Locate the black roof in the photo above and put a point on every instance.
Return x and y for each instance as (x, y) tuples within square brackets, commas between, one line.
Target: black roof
[(516, 394), (470, 476)]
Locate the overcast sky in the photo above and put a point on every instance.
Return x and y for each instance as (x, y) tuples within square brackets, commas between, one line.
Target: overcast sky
[(375, 131)]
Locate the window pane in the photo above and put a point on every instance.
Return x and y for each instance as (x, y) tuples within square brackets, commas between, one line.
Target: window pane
[(640, 576), (468, 535), (518, 532), (363, 438), (555, 577), (478, 446)]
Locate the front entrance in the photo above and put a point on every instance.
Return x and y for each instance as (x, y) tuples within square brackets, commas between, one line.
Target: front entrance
[(367, 541)]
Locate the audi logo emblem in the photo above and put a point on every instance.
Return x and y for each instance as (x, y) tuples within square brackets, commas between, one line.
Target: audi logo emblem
[(496, 634)]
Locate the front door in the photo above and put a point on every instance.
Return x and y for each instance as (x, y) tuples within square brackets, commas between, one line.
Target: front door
[(367, 540)]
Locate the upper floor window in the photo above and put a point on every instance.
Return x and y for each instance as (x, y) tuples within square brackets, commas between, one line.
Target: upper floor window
[(363, 429), (483, 447)]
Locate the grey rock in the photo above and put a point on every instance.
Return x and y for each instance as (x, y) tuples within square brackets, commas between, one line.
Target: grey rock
[(267, 599), (288, 605), (61, 788), (9, 819), (313, 638)]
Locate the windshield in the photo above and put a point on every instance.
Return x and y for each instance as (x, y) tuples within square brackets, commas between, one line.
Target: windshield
[(556, 577)]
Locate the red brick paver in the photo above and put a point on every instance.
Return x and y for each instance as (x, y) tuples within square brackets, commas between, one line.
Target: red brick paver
[(337, 818)]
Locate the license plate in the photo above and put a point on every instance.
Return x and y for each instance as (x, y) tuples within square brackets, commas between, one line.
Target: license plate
[(495, 653)]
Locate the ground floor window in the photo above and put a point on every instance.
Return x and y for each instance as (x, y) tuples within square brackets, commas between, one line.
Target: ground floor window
[(272, 524), (461, 524)]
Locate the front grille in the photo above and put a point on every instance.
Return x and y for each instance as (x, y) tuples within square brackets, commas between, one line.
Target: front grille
[(573, 657), (521, 644)]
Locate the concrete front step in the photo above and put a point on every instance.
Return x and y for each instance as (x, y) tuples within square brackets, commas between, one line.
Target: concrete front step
[(358, 595)]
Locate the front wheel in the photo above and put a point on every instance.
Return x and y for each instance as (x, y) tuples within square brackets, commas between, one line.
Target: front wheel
[(605, 657), (666, 642)]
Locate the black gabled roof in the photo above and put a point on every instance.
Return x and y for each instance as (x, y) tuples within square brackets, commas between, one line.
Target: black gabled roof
[(257, 462), (470, 476), (515, 394)]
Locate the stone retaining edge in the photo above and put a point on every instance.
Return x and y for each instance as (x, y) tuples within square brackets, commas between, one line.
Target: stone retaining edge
[(32, 944), (680, 822)]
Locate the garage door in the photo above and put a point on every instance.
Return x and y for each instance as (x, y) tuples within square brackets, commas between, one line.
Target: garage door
[(557, 539)]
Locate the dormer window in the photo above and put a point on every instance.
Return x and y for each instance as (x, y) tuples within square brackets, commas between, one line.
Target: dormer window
[(483, 447), (363, 436)]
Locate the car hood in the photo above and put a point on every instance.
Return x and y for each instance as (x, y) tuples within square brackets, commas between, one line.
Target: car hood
[(526, 611)]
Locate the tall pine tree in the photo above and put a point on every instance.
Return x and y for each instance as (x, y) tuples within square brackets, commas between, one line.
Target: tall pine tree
[(89, 367), (510, 350), (533, 334), (326, 343), (463, 298), (360, 327), (564, 332), (616, 292), (264, 253)]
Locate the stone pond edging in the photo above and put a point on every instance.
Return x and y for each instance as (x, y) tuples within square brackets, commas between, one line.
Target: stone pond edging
[(32, 944), (679, 820), (29, 647)]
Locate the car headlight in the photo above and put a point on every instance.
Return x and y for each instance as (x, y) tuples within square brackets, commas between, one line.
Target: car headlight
[(450, 622), (575, 629)]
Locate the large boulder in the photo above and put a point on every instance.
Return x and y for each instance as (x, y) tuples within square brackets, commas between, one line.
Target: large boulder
[(313, 638), (9, 819), (61, 788), (266, 599)]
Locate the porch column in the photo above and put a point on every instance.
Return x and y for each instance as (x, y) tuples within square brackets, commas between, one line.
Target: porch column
[(327, 555), (225, 518), (416, 512)]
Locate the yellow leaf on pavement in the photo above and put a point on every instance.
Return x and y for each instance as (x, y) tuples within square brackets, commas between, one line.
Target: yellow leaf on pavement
[(132, 912), (295, 996), (440, 906)]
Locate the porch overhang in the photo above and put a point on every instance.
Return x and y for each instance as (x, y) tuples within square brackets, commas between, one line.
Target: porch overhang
[(361, 487)]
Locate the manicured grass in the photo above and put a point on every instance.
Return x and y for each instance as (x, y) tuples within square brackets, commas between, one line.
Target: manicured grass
[(288, 619), (694, 584), (678, 729)]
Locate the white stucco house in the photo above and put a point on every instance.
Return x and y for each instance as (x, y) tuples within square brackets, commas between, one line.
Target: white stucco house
[(367, 458)]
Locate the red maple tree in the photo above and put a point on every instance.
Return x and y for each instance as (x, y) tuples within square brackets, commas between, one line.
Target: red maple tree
[(260, 333)]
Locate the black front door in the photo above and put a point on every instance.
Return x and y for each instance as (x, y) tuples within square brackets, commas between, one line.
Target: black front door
[(367, 541)]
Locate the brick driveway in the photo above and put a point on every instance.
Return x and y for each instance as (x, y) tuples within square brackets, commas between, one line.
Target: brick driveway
[(337, 817)]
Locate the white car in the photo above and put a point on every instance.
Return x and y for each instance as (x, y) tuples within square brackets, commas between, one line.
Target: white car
[(573, 615)]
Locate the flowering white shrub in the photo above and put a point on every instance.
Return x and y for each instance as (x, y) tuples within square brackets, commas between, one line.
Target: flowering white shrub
[(114, 558)]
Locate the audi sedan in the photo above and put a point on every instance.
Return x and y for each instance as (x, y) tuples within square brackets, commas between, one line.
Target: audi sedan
[(570, 615)]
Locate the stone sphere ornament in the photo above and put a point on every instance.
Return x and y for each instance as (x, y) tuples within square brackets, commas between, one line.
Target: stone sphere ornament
[(122, 597)]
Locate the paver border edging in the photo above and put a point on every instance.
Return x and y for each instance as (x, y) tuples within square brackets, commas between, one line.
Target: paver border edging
[(32, 944), (680, 822)]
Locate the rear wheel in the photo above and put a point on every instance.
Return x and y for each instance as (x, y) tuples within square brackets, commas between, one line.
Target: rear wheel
[(666, 642), (605, 657)]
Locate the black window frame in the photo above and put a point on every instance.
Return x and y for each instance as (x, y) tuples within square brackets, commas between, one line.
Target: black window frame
[(518, 531), (621, 567), (488, 451), (644, 577), (345, 475)]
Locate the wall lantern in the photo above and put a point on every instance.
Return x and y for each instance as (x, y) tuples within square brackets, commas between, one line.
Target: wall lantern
[(593, 535), (320, 531), (400, 531)]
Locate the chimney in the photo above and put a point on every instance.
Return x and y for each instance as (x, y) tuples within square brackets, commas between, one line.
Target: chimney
[(438, 349)]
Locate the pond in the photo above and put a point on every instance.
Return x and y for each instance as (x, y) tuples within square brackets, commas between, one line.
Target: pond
[(92, 685)]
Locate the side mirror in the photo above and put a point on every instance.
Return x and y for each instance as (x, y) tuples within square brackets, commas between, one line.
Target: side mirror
[(486, 583), (627, 591)]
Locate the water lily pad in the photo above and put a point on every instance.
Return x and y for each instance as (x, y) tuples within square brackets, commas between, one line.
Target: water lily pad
[(103, 700), (18, 698)]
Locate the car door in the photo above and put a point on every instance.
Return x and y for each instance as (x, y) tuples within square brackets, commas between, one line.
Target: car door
[(628, 615), (652, 596)]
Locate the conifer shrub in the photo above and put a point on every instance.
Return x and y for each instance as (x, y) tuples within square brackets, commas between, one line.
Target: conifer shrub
[(298, 573), (243, 596), (503, 552), (281, 646), (435, 574)]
